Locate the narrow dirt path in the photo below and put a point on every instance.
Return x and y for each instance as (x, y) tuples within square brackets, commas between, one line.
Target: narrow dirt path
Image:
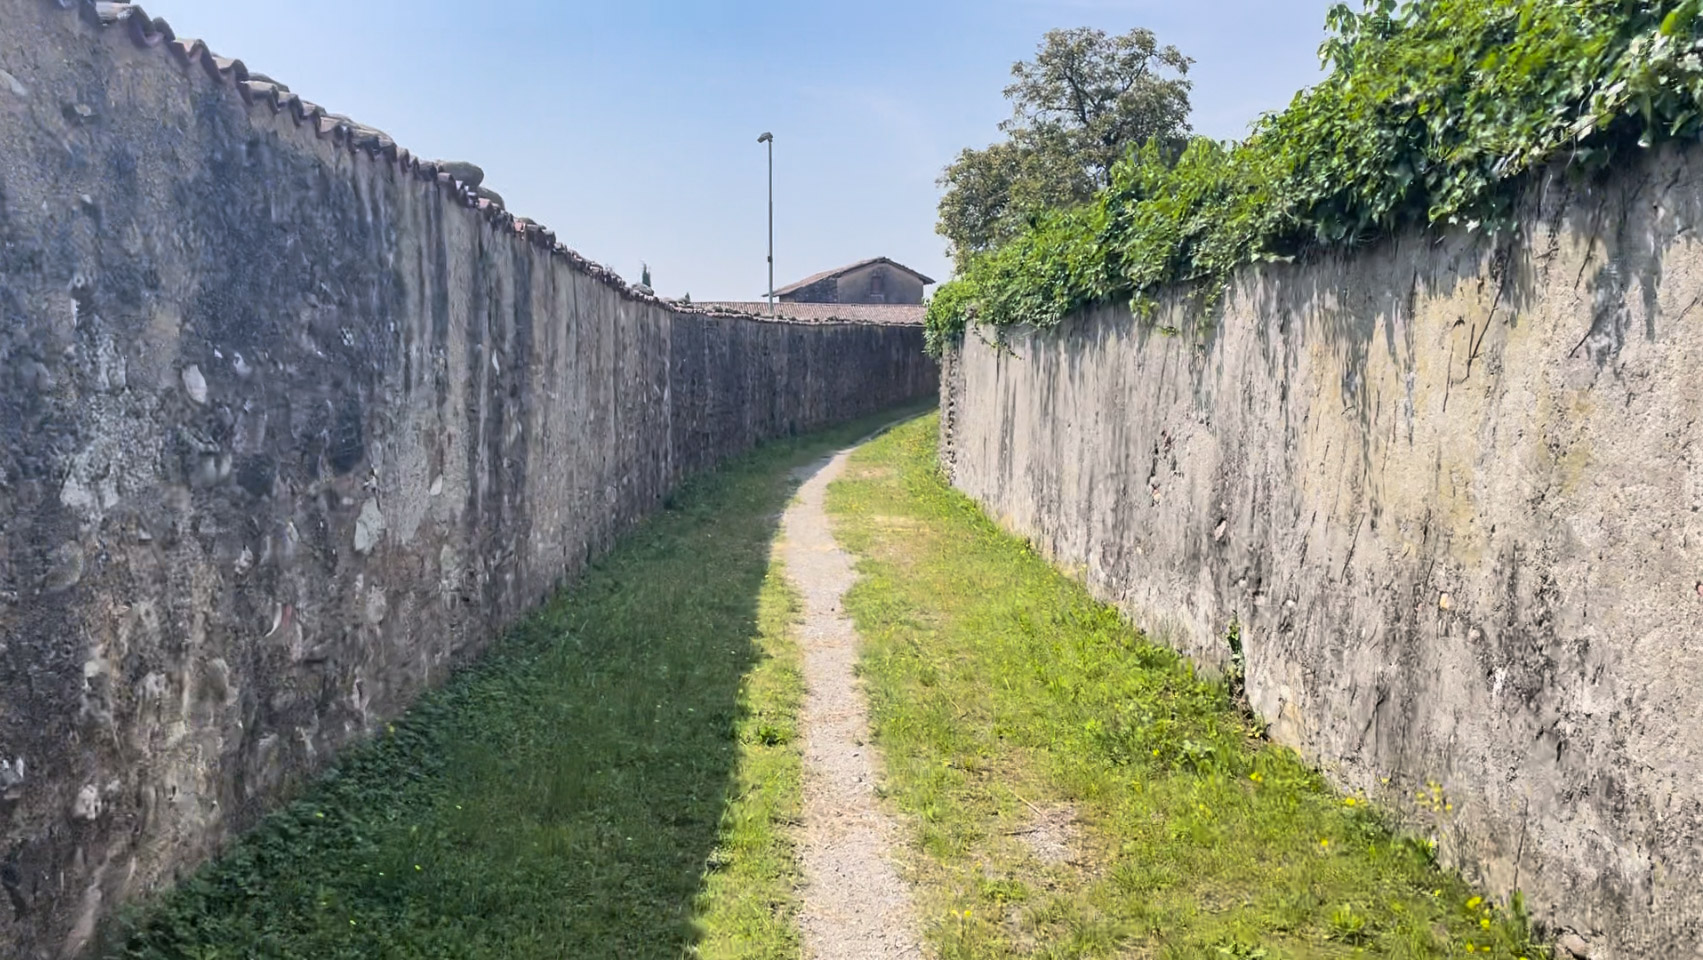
[(855, 906)]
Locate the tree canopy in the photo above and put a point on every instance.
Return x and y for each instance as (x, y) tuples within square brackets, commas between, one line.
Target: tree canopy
[(1077, 108)]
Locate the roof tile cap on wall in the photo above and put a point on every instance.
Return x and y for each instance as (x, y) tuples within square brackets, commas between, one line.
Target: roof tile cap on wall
[(154, 32), (879, 314)]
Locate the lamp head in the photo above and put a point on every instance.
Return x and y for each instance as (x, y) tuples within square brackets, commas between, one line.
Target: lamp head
[(766, 138)]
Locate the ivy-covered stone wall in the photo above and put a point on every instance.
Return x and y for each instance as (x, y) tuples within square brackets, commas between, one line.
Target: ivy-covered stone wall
[(1451, 489)]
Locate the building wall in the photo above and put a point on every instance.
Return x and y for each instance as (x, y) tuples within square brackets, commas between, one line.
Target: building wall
[(857, 286), (289, 429), (1452, 490)]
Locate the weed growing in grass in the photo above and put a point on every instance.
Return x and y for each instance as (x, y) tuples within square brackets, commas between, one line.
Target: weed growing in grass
[(616, 778), (997, 684), (1349, 926)]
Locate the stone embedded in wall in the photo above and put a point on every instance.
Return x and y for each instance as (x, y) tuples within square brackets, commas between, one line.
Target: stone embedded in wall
[(87, 806), (195, 384), (369, 528), (64, 568), (12, 779)]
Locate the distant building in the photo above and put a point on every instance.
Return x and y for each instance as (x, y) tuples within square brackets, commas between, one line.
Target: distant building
[(879, 280), (869, 291)]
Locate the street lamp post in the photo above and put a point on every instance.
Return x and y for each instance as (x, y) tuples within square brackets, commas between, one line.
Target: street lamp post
[(769, 139)]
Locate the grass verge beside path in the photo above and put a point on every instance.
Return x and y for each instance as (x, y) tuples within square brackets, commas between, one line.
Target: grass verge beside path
[(1001, 691), (614, 779)]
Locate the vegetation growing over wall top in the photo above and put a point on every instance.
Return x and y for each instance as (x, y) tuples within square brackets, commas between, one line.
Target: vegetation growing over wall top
[(1433, 111)]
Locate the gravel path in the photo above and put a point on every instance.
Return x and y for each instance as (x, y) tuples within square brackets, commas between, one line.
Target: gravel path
[(856, 907)]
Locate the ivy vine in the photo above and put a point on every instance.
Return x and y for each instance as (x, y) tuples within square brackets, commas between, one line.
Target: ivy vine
[(1432, 112)]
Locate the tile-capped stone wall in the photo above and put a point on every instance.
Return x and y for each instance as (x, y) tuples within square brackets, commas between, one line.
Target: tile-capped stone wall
[(290, 423)]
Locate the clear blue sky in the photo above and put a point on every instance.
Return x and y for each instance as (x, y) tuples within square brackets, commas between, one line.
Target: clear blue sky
[(630, 126)]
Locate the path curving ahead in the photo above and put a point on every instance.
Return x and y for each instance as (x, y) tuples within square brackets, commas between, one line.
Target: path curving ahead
[(855, 905)]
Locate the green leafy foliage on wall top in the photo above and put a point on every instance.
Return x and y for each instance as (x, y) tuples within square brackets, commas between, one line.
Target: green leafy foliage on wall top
[(1433, 111)]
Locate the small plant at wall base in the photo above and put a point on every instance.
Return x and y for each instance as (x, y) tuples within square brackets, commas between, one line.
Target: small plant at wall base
[(1236, 672), (1434, 111)]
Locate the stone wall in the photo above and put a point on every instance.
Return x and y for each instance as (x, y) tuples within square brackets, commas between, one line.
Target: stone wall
[(1453, 491), (291, 424)]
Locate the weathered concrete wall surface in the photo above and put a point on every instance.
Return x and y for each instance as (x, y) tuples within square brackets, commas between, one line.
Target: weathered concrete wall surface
[(1453, 491), (287, 429)]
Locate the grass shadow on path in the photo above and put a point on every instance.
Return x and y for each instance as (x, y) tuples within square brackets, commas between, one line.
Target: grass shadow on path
[(575, 793)]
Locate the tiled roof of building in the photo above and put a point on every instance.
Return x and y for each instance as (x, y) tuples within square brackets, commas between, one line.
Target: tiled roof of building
[(837, 271)]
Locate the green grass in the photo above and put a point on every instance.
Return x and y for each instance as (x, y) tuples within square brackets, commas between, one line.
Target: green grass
[(998, 686), (616, 778)]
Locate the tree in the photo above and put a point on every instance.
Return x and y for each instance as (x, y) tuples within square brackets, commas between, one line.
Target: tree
[(1077, 107)]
